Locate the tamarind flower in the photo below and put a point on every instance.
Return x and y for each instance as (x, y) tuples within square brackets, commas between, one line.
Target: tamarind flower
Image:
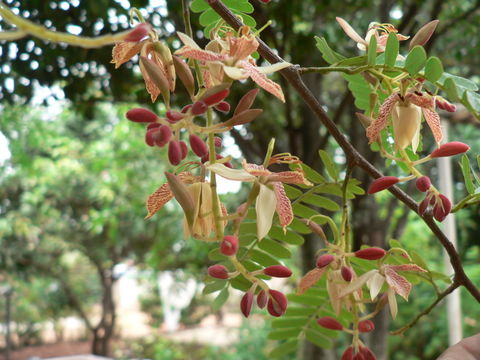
[(271, 197), (151, 49), (195, 197), (406, 113), (231, 56), (380, 31), (374, 279)]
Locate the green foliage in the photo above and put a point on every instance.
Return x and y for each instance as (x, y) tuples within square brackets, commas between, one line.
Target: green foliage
[(415, 60), (391, 50)]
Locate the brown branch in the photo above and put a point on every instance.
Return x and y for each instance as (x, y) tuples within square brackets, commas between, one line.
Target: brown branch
[(353, 156)]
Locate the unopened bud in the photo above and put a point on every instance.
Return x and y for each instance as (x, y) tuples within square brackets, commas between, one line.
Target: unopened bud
[(371, 253), (141, 115), (278, 271), (185, 74), (138, 33), (198, 146), (447, 205), (186, 108), (439, 213), (217, 97), (174, 116), (229, 245), (218, 141), (367, 353), (348, 354), (450, 149), (199, 108), (262, 299), (382, 183), (277, 303), (223, 106), (347, 273), (329, 322), (150, 136), (324, 260), (174, 152), (218, 272), (317, 229), (243, 118), (184, 148), (157, 76), (422, 207), (424, 34), (423, 183), (366, 326), (153, 126), (246, 101), (246, 303), (164, 135), (364, 119)]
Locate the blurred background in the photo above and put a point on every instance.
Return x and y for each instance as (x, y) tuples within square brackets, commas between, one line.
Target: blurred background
[(82, 272)]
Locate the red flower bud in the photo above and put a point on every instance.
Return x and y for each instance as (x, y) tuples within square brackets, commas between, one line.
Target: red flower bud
[(348, 354), (164, 135), (366, 326), (450, 149), (347, 273), (262, 299), (358, 356), (153, 126), (447, 205), (278, 271), (371, 253), (184, 148), (439, 213), (367, 353), (450, 107), (246, 101), (422, 207), (382, 183), (218, 141), (198, 146), (186, 108), (138, 33), (174, 116), (217, 97), (218, 272), (324, 260), (141, 115), (174, 152), (229, 245), (223, 106), (246, 303), (199, 108), (151, 135), (329, 323), (423, 183), (277, 303)]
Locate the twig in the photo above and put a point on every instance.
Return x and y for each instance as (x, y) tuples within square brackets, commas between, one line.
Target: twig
[(354, 157)]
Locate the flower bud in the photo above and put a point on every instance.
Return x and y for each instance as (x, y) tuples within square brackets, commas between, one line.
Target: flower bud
[(198, 146), (229, 245), (174, 116), (174, 152), (199, 108), (138, 33), (324, 260), (243, 118), (141, 115), (223, 106), (153, 126), (217, 97), (348, 354), (277, 303), (185, 74), (278, 271), (262, 299), (439, 213), (366, 326), (151, 135), (382, 183), (450, 107), (329, 322), (317, 229), (424, 34), (184, 148), (371, 253), (218, 272), (164, 135), (447, 205), (246, 303), (450, 149), (218, 141), (422, 207), (367, 353), (347, 273), (423, 183), (246, 101)]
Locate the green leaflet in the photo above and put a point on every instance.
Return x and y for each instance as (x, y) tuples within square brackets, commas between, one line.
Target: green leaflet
[(288, 322), (284, 348), (275, 248), (391, 50), (220, 299), (467, 174), (283, 334), (318, 339), (372, 51), (263, 258), (328, 54), (290, 237), (329, 164), (214, 286), (360, 90), (321, 201), (415, 60), (433, 69)]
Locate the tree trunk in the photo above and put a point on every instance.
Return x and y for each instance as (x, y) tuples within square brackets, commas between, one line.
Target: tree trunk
[(103, 332)]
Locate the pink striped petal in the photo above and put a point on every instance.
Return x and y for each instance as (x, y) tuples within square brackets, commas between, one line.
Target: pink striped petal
[(199, 54), (289, 177), (407, 267), (423, 101), (242, 47), (352, 34), (284, 207), (255, 170), (159, 198), (397, 282), (124, 51), (433, 121), (262, 80), (373, 131)]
